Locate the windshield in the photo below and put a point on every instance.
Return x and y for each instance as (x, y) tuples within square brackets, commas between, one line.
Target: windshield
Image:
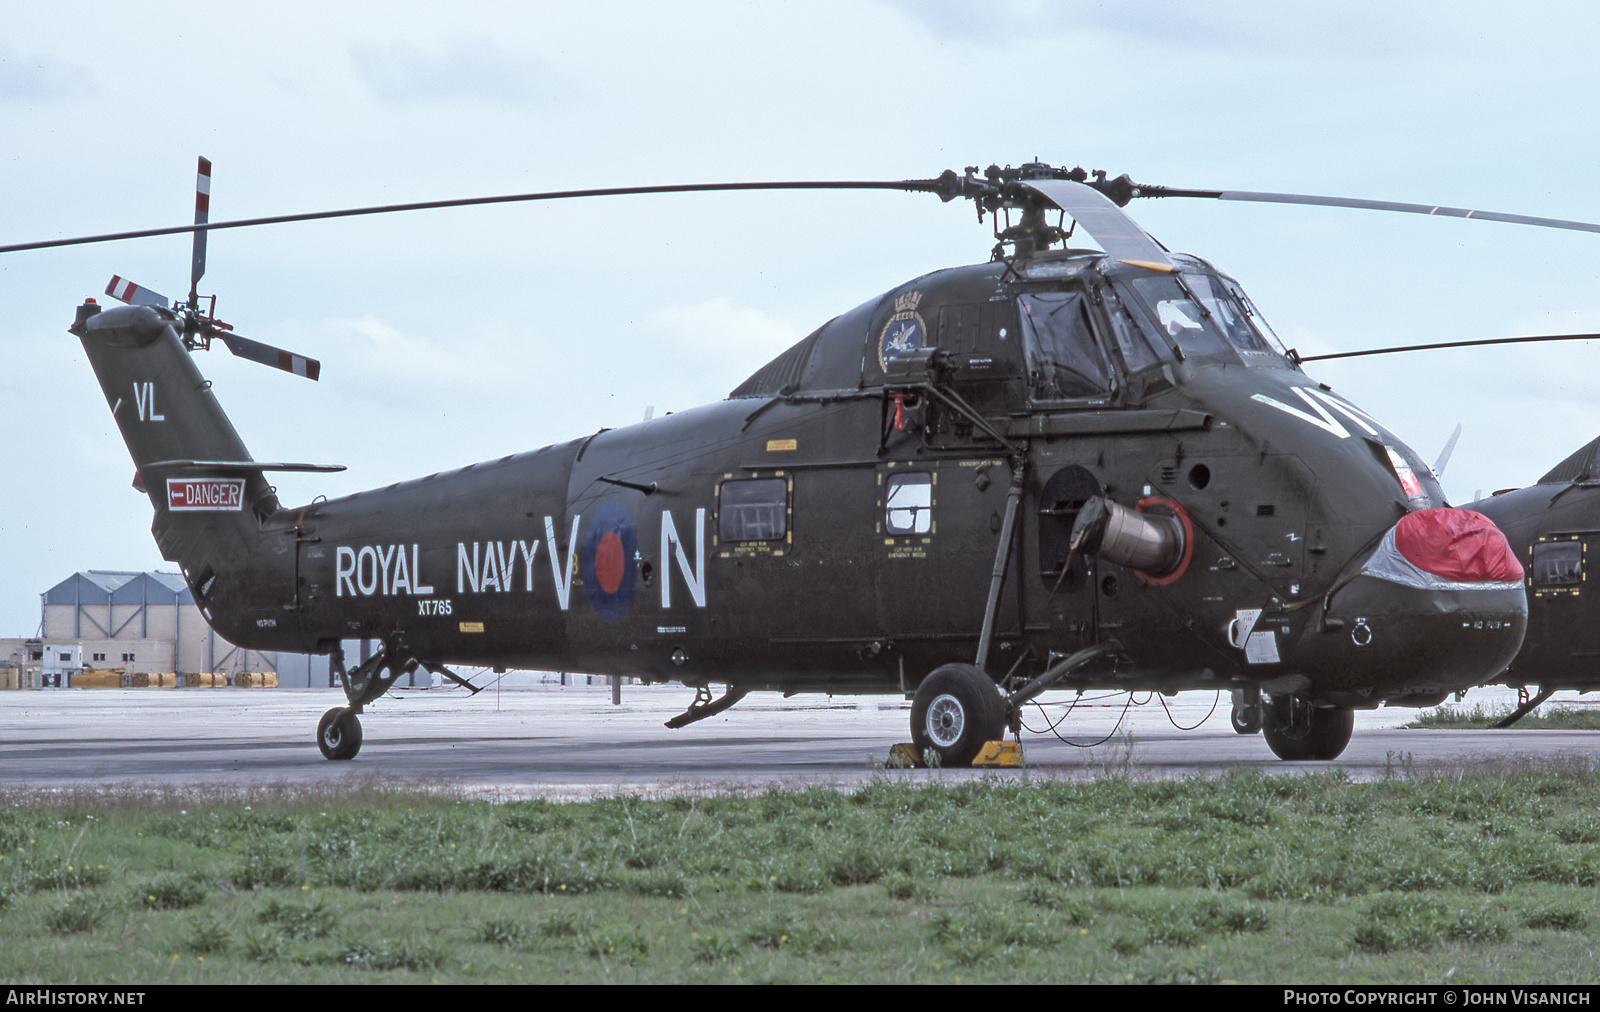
[(1203, 314), (1177, 316), (1240, 323)]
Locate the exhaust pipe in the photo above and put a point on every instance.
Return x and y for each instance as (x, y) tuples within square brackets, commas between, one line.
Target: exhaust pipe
[(1151, 543)]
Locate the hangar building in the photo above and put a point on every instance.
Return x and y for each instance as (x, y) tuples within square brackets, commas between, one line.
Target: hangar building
[(140, 624)]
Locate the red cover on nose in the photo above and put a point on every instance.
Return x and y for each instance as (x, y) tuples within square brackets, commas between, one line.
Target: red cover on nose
[(1457, 545)]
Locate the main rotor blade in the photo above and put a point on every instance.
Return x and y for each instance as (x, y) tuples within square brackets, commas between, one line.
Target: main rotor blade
[(928, 185), (1450, 344), (266, 354), (1368, 205)]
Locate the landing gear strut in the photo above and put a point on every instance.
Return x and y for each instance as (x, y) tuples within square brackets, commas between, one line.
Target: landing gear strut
[(339, 730)]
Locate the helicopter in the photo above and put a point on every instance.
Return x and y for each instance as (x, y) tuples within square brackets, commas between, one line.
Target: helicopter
[(1551, 525), (1062, 468)]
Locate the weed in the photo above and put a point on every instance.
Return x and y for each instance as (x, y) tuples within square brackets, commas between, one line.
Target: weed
[(974, 935), (506, 932), (772, 933), (1476, 926), (662, 882), (267, 867), (858, 863), (627, 944), (205, 935), (172, 892), (68, 876), (1403, 921), (1127, 941), (298, 920), (1215, 913), (262, 945), (1585, 830), (714, 946), (387, 955), (1556, 918), (1574, 718), (1398, 765), (562, 924), (79, 912), (902, 885), (1072, 909)]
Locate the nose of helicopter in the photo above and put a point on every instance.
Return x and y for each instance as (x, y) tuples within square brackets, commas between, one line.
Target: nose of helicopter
[(1438, 607)]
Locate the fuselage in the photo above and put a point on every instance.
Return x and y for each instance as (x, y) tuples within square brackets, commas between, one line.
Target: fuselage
[(1551, 526), (838, 523)]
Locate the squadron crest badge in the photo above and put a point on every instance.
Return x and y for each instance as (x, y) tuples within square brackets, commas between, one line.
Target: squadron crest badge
[(905, 332)]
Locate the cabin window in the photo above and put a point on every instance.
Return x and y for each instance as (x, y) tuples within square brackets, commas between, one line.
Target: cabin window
[(1065, 361), (1558, 565), (754, 509), (909, 503)]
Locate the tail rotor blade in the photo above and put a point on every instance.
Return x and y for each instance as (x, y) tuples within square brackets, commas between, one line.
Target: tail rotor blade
[(124, 290), (202, 215), (266, 354)]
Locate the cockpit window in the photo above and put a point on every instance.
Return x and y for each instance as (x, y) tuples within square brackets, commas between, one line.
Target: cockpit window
[(1065, 360), (1232, 312), (1178, 316), (1139, 349)]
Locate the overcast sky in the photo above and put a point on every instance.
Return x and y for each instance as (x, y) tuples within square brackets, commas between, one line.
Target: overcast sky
[(453, 336)]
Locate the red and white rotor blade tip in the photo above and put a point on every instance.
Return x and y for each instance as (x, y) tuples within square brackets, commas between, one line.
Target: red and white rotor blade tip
[(124, 290), (266, 354), (202, 215)]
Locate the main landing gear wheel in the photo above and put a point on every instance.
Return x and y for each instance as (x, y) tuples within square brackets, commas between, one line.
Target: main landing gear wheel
[(339, 734), (956, 710), (1320, 735)]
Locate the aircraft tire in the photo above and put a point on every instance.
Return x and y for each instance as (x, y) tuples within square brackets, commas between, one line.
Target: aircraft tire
[(1326, 738), (339, 734), (955, 711), (1246, 719)]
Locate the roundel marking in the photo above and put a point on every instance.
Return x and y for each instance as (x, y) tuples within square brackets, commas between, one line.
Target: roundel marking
[(608, 562), (609, 547)]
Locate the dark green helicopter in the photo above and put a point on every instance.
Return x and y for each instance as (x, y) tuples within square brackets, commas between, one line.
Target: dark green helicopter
[(1060, 469), (1551, 525)]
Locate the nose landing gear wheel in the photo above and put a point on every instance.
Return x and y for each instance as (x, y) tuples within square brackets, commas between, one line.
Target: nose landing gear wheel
[(339, 734), (955, 711)]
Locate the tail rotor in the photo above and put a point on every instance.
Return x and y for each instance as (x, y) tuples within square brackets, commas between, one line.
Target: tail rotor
[(200, 325)]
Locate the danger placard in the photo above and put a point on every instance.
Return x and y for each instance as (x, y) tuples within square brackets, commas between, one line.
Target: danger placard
[(194, 494)]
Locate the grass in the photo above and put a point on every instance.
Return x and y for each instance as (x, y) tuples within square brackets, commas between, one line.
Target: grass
[(1545, 718), (1488, 875)]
